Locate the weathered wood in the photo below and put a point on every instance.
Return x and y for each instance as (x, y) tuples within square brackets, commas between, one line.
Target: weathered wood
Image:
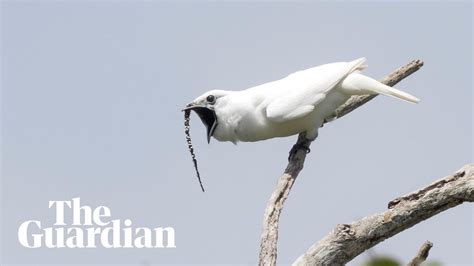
[(421, 255), (346, 241)]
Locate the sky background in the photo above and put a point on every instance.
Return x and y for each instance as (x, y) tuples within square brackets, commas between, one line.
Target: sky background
[(91, 100)]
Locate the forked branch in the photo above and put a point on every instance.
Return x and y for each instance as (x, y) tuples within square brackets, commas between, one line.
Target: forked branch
[(269, 237)]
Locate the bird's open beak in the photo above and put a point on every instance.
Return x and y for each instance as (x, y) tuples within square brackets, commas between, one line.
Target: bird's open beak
[(207, 115)]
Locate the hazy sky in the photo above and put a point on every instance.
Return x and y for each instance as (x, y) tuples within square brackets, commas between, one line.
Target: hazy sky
[(91, 100)]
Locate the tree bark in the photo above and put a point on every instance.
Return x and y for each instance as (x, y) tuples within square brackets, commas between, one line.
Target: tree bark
[(269, 236), (346, 241), (421, 255)]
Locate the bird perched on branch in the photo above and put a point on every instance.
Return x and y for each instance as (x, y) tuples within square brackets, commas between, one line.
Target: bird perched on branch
[(298, 103)]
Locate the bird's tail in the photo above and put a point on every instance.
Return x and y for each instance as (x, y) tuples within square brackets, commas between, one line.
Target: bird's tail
[(359, 84)]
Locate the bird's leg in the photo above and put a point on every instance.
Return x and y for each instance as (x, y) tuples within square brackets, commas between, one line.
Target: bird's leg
[(296, 147), (303, 143)]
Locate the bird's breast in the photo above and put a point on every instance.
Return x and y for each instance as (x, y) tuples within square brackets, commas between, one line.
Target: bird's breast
[(255, 127), (249, 123)]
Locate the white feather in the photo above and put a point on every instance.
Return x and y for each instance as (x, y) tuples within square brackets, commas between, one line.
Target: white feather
[(297, 103), (299, 93)]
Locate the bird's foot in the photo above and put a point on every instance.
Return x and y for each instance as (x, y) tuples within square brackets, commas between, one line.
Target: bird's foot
[(296, 147)]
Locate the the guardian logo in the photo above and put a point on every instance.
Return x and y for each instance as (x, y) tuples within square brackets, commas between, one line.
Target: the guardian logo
[(91, 228)]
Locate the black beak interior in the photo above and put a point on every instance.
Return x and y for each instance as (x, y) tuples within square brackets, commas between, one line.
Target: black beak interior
[(208, 118)]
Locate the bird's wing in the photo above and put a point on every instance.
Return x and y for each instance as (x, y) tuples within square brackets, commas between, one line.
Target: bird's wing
[(301, 92)]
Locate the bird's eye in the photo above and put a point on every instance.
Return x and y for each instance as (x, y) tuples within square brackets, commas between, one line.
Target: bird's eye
[(211, 99)]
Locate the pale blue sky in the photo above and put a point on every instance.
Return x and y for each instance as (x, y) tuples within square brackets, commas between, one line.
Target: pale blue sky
[(92, 93)]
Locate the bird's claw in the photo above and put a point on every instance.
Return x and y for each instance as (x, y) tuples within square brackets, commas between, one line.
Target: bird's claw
[(297, 147)]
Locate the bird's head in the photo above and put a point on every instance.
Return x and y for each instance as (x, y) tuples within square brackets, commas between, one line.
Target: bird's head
[(205, 107)]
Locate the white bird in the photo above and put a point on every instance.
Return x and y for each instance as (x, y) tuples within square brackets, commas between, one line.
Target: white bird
[(300, 102)]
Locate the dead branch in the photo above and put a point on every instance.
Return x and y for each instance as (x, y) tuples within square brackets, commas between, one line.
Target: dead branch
[(421, 255), (269, 236), (346, 241)]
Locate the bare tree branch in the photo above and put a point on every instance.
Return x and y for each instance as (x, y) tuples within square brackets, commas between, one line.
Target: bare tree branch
[(347, 241), (421, 255), (392, 79), (269, 236)]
